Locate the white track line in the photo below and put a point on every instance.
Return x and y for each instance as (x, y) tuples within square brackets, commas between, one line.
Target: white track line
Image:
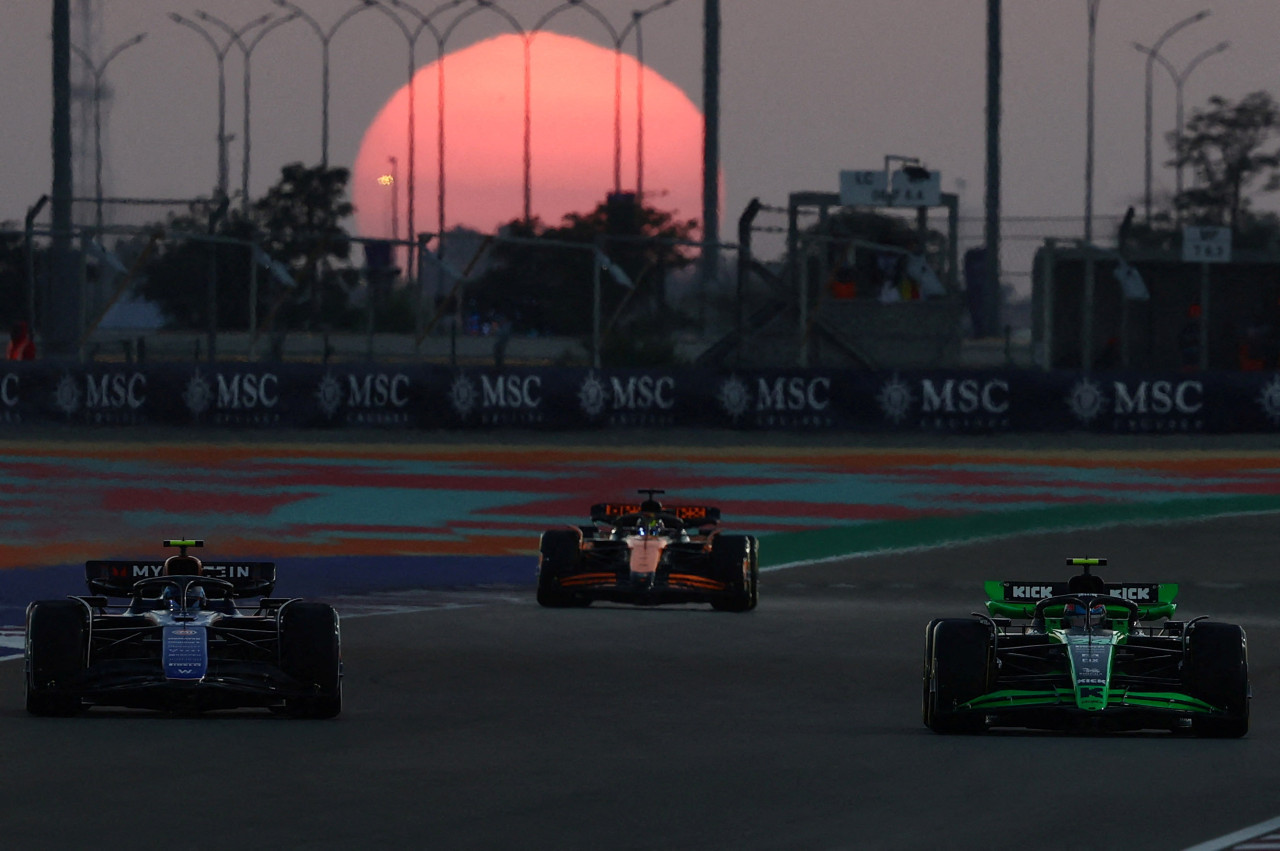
[(1240, 836)]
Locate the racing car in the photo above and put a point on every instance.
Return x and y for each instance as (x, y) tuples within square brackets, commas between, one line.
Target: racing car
[(647, 553), (172, 635), (1086, 655)]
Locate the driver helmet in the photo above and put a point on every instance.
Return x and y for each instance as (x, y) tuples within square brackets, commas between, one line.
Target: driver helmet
[(172, 597), (1087, 613), (653, 526)]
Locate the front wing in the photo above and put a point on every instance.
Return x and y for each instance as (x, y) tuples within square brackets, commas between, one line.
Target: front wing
[(683, 576), (126, 668), (1032, 688)]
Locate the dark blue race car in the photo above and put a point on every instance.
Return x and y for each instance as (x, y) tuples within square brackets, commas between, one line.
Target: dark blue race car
[(179, 635)]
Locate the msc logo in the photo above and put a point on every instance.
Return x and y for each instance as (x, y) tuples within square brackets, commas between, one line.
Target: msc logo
[(793, 394), (1159, 397), (641, 393), (966, 396), (248, 390), (112, 397), (511, 391), (115, 390), (633, 400), (1030, 592), (381, 393), (502, 399)]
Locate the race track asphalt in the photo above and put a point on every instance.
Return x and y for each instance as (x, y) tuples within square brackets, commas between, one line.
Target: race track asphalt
[(477, 720)]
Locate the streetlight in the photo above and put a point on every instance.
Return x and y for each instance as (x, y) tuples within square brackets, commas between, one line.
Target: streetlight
[(97, 71), (441, 38), (392, 179), (617, 39), (411, 36), (1151, 57), (1090, 272), (1178, 80), (220, 53), (325, 36), (528, 37), (636, 15), (247, 49)]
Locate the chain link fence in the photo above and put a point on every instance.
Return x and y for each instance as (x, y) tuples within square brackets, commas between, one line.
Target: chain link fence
[(485, 298)]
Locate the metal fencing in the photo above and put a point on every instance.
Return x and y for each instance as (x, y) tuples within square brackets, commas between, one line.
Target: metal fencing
[(473, 298)]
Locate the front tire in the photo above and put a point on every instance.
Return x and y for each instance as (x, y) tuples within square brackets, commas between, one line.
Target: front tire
[(1218, 673), (959, 671), (559, 555), (926, 711), (311, 652), (55, 654)]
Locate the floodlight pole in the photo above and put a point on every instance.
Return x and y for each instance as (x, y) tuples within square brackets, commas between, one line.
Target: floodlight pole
[(97, 71), (411, 36), (247, 50), (1178, 80), (1152, 53), (636, 16), (325, 36), (220, 53), (710, 260), (1090, 270)]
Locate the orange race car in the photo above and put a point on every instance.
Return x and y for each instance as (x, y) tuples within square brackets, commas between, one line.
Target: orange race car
[(649, 554)]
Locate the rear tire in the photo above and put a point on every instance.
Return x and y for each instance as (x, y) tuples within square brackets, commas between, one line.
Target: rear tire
[(559, 555), (311, 652), (55, 653), (1218, 673), (729, 553), (960, 671)]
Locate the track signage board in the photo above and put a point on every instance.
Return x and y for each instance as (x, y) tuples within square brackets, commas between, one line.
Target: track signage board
[(1206, 244)]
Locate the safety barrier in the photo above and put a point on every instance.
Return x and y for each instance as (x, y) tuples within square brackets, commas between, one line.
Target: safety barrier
[(410, 396)]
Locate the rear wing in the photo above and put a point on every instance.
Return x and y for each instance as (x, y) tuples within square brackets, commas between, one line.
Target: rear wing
[(689, 515), (1017, 599), (116, 578)]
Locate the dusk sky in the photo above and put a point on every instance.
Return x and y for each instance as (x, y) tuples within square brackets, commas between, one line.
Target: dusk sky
[(808, 87)]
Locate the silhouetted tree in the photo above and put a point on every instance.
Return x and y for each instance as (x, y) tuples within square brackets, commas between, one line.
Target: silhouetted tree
[(1229, 148), (297, 223), (301, 217), (548, 289)]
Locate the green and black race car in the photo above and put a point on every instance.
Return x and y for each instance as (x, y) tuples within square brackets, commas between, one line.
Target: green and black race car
[(1088, 655)]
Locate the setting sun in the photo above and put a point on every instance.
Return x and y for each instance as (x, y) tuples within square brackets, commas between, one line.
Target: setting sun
[(572, 138)]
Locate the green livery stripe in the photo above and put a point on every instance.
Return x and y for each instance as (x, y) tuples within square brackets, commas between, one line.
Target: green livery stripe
[(781, 548), (1116, 699)]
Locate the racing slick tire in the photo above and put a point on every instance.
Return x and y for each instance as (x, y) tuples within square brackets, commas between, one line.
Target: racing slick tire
[(1218, 673), (560, 554), (928, 667), (728, 553), (55, 652), (311, 652), (959, 671)]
